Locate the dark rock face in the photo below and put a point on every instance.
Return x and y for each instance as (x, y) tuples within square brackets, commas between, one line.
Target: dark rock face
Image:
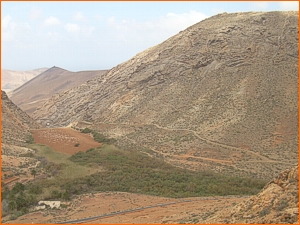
[(219, 95), (15, 123)]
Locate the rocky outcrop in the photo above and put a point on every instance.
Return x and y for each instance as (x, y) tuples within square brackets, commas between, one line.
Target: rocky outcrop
[(220, 95), (35, 92), (15, 123), (277, 203)]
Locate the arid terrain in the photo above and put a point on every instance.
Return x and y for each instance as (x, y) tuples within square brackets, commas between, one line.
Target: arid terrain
[(106, 203), (11, 79), (220, 95), (16, 166), (53, 81), (15, 123), (184, 132)]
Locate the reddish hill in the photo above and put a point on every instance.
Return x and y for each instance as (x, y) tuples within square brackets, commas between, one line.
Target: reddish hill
[(12, 79), (55, 80)]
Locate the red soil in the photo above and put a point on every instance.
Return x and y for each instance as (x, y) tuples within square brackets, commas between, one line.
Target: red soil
[(64, 140)]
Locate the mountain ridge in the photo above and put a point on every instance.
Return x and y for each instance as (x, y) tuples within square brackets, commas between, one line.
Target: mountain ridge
[(33, 93), (12, 79), (207, 98)]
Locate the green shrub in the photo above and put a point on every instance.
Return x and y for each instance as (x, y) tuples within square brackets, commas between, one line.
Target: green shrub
[(102, 139), (35, 189), (89, 150), (264, 212), (15, 216), (77, 144), (18, 187), (55, 194), (63, 206), (283, 204), (86, 130), (29, 139)]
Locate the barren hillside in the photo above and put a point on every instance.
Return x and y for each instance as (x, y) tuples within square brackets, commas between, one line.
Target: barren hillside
[(55, 80), (277, 203), (12, 79), (15, 132), (220, 95), (15, 123)]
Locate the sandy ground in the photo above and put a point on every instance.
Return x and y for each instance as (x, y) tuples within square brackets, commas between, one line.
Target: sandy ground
[(90, 205), (64, 140), (17, 169)]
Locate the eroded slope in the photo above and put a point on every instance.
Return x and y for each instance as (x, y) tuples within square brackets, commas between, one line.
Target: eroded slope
[(277, 203), (15, 123), (219, 95)]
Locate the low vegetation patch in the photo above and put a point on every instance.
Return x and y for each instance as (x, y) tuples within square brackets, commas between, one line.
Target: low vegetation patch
[(29, 139), (110, 169), (131, 171), (16, 201), (98, 136)]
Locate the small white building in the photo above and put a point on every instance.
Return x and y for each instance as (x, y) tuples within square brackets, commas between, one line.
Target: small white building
[(51, 204)]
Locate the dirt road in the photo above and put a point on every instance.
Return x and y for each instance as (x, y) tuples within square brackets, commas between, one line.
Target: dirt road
[(129, 208)]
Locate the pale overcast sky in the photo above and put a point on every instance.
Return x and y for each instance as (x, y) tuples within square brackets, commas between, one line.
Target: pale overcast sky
[(100, 35)]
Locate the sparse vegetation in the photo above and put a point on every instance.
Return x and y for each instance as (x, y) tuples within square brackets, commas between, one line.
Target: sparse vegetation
[(264, 212), (77, 144), (283, 204), (29, 139), (128, 171), (33, 173), (98, 136), (131, 171), (18, 199), (86, 130)]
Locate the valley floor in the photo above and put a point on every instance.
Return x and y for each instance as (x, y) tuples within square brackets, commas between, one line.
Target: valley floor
[(185, 210)]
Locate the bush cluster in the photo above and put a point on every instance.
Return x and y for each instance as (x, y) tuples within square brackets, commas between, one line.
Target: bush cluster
[(135, 172), (18, 200), (29, 139), (98, 136)]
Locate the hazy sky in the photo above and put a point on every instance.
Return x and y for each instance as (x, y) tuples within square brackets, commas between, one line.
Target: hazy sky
[(100, 35)]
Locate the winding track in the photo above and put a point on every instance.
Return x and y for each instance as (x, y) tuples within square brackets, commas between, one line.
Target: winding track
[(207, 141)]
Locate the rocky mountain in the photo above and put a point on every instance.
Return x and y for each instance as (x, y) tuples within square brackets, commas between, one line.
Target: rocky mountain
[(15, 123), (35, 92), (220, 95), (277, 203), (12, 79)]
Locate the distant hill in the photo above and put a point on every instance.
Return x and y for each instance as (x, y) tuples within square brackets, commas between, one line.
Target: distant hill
[(12, 79), (55, 80), (220, 95), (15, 123)]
